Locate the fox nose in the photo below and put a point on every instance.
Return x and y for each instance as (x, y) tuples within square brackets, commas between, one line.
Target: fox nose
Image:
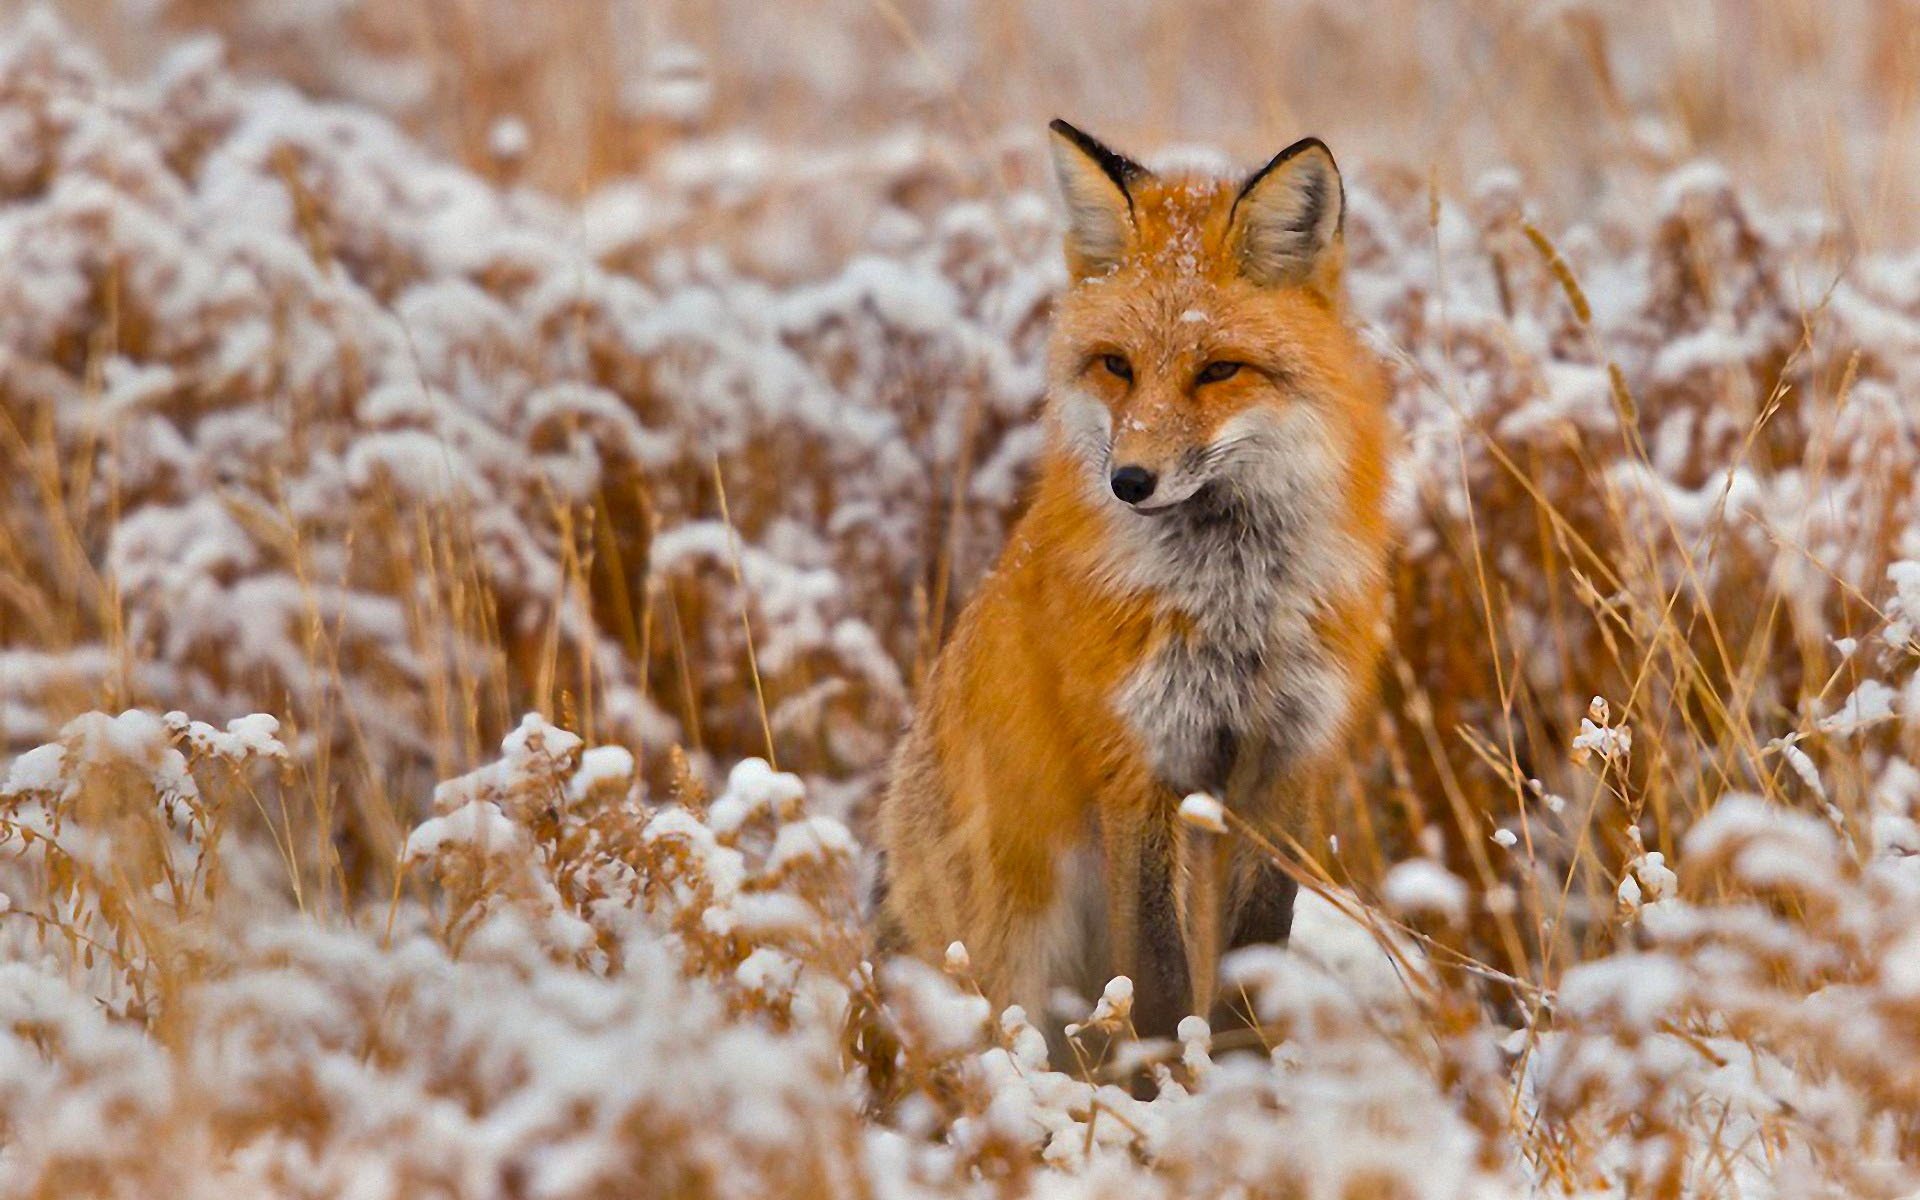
[(1133, 484)]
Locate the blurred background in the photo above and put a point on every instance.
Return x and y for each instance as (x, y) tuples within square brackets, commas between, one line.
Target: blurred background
[(1807, 102)]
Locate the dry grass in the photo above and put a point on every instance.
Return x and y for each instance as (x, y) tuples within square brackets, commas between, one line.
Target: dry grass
[(689, 424)]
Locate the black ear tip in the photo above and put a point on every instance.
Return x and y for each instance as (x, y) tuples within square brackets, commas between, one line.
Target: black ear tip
[(1304, 145), (1118, 167), (1085, 141)]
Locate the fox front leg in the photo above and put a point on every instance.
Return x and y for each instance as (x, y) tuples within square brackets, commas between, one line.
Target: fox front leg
[(1263, 902), (1260, 906), (1201, 886), (1162, 983), (1144, 937)]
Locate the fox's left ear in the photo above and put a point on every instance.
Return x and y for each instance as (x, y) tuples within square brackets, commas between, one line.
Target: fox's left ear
[(1286, 220), (1097, 184)]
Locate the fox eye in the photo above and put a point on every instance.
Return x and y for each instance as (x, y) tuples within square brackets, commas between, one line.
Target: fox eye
[(1117, 367), (1214, 372)]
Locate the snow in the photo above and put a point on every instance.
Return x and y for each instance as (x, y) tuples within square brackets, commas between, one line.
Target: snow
[(509, 139), (1800, 763), (479, 824), (601, 767), (1904, 612), (957, 960), (38, 770), (251, 736), (945, 1022), (808, 839), (755, 790), (1116, 1000), (1638, 986), (1422, 887), (1204, 812), (1596, 737)]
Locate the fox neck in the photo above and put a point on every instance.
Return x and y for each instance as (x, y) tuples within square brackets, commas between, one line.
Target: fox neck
[(1227, 556), (1240, 575)]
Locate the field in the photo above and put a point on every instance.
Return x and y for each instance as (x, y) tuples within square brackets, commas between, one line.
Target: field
[(480, 485)]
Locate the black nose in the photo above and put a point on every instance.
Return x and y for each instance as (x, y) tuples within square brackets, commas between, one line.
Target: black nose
[(1133, 484)]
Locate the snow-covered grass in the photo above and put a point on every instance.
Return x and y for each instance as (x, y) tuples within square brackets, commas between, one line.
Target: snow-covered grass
[(320, 408)]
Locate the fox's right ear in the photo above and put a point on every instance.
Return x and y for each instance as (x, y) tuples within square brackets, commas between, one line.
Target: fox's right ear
[(1096, 184), (1288, 217)]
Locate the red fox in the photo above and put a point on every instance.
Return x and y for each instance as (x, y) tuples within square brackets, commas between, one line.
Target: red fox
[(1193, 602)]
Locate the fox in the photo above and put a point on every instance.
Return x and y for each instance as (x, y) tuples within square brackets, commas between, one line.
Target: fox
[(1195, 600)]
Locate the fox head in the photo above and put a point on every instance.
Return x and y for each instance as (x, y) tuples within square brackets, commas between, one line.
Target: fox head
[(1200, 349)]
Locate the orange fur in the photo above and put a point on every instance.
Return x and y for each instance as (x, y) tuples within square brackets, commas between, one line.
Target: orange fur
[(1024, 773)]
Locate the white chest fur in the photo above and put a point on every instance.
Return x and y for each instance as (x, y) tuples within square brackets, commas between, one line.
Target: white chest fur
[(1250, 675)]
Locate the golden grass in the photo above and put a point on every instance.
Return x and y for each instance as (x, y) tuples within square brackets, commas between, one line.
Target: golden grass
[(1591, 513)]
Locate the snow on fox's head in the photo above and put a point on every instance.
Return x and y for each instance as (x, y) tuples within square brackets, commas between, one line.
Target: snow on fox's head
[(1201, 343)]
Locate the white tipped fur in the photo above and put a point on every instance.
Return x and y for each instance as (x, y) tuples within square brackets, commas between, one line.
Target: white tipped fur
[(1085, 426), (1250, 563)]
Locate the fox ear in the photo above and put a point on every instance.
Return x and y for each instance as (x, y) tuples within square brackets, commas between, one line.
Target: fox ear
[(1096, 184), (1286, 220)]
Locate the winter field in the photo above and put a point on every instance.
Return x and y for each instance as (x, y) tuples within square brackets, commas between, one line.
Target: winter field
[(449, 449)]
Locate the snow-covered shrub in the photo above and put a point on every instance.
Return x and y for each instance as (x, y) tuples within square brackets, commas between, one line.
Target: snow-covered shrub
[(370, 435), (297, 416)]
